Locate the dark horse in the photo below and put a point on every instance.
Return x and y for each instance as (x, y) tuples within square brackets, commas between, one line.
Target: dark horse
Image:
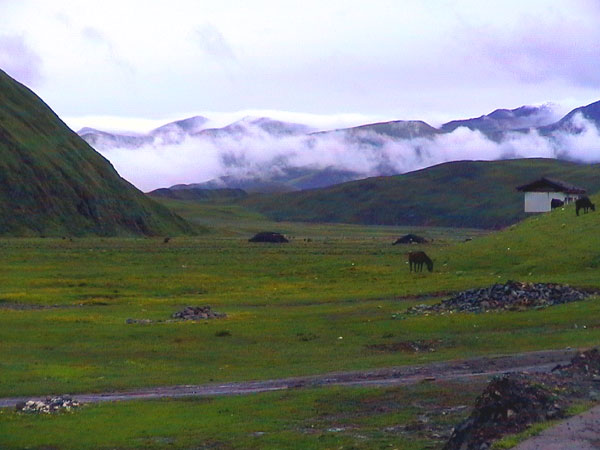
[(417, 259), (585, 204)]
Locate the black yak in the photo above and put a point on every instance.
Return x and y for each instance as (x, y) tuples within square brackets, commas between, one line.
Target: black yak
[(585, 204), (417, 259)]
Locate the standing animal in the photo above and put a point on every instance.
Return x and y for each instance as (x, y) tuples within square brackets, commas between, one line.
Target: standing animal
[(556, 203), (585, 204), (417, 259)]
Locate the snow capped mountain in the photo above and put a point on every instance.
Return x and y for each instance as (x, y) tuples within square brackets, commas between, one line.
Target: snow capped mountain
[(264, 154), (502, 120), (103, 140), (253, 126), (572, 122), (176, 132)]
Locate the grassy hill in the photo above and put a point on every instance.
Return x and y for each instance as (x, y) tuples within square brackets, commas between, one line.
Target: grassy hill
[(477, 194), (198, 194), (53, 183)]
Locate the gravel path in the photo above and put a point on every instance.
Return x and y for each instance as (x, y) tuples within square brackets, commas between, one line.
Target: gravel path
[(580, 432), (462, 369)]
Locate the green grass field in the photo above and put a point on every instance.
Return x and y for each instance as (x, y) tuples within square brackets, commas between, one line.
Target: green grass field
[(361, 418), (63, 307)]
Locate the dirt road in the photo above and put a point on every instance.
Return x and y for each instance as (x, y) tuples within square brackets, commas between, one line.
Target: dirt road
[(580, 432), (469, 368)]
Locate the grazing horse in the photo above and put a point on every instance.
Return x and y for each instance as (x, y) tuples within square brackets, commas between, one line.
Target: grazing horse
[(556, 203), (417, 259), (585, 204)]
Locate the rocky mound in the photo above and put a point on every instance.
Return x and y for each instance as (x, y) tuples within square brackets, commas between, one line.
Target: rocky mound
[(269, 236), (187, 313), (197, 313), (512, 295), (507, 406), (410, 239), (513, 402), (48, 406), (583, 364)]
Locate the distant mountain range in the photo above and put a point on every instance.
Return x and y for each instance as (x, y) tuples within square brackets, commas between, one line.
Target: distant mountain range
[(171, 133), (266, 155), (176, 132), (284, 180), (495, 124)]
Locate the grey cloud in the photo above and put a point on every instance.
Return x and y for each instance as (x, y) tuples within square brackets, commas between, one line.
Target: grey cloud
[(94, 35), (63, 18), (212, 42), (20, 61), (97, 38), (538, 49)]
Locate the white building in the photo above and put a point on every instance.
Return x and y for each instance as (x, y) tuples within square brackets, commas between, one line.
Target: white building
[(540, 193)]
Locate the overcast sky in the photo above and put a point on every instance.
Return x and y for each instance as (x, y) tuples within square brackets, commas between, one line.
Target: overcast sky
[(337, 61)]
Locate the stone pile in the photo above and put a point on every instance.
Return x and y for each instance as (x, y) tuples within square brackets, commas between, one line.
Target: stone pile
[(142, 321), (410, 239), (187, 313), (585, 363), (507, 406), (514, 401), (269, 236), (512, 295), (48, 406), (197, 313)]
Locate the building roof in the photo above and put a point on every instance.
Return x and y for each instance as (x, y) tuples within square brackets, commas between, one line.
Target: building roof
[(546, 184)]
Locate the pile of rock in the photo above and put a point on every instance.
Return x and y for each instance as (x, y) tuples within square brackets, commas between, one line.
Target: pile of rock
[(507, 406), (512, 295), (513, 402), (141, 321), (270, 237), (197, 313), (410, 239), (48, 406), (585, 363)]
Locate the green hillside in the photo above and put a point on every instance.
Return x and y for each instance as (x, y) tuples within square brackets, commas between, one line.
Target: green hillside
[(477, 194), (198, 194), (53, 183)]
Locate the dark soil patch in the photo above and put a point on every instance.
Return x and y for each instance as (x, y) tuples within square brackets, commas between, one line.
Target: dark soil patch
[(407, 346), (269, 237), (306, 337), (512, 295), (17, 306), (5, 304), (513, 402)]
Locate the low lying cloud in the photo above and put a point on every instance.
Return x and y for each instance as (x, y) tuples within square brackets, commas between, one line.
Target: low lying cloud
[(257, 153)]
